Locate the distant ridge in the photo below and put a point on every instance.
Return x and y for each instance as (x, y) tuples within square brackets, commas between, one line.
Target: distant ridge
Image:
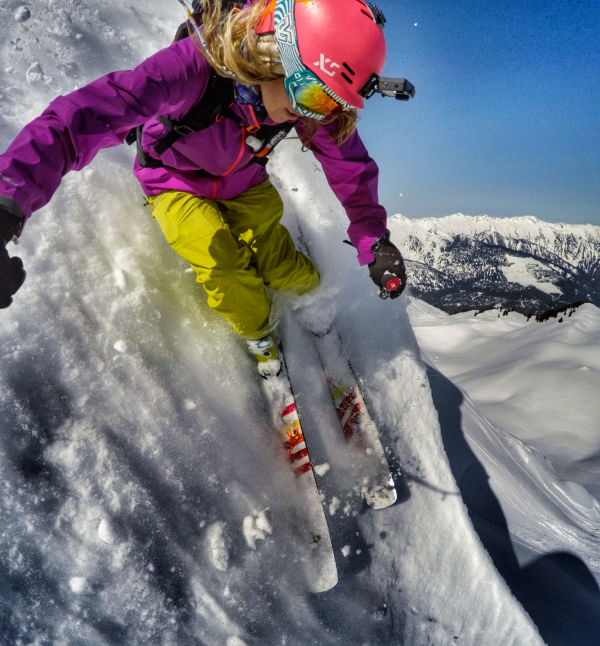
[(460, 263)]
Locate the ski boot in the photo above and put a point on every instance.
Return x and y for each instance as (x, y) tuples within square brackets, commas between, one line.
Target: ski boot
[(266, 353)]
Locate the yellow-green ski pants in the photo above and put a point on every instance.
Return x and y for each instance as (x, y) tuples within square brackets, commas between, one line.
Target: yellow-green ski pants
[(238, 249)]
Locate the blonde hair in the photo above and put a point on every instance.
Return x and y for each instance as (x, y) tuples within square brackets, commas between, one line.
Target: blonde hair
[(235, 50)]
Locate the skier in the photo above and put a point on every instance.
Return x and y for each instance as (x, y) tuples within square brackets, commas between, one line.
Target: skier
[(307, 64)]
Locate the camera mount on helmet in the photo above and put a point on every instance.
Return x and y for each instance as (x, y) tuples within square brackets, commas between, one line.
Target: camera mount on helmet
[(400, 89)]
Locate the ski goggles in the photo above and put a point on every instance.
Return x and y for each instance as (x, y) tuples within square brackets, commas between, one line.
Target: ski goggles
[(310, 96), (307, 93)]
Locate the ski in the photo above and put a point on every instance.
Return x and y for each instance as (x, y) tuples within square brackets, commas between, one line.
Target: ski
[(365, 452), (313, 539)]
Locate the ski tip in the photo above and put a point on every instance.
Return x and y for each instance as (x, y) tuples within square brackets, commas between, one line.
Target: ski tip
[(320, 569), (381, 497), (323, 582)]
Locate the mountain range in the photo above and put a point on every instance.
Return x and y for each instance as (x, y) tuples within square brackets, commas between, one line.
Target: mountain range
[(461, 263)]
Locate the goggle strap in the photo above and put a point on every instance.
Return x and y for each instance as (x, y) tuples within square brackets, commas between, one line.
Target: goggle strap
[(200, 36)]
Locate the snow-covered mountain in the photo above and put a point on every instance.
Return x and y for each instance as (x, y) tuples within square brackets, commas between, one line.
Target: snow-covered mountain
[(460, 263)]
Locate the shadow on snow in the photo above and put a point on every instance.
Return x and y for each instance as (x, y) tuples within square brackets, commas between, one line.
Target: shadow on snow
[(557, 590)]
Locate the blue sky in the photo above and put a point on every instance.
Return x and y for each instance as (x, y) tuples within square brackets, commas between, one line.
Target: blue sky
[(506, 119)]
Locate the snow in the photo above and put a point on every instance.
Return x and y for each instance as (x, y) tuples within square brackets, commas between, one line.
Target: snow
[(523, 271), (537, 381), (144, 500), (526, 395)]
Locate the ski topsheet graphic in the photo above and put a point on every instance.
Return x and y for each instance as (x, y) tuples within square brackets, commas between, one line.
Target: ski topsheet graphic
[(313, 545), (365, 455)]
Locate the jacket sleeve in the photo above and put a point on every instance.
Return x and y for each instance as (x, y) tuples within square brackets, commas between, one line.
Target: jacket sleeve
[(353, 177), (74, 127)]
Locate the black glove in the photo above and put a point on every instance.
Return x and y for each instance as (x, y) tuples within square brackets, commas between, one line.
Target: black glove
[(12, 273), (387, 270)]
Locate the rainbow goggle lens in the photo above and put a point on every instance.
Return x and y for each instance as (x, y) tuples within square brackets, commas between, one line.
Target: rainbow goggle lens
[(311, 97)]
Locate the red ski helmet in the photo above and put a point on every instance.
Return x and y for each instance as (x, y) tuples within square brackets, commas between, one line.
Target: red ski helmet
[(340, 42)]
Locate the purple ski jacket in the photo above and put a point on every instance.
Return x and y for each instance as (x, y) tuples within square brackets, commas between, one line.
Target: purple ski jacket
[(213, 163)]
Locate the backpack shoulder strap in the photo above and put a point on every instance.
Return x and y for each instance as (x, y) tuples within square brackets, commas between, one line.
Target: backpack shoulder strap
[(182, 31), (218, 96)]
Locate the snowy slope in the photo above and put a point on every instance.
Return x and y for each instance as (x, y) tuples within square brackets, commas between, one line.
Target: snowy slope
[(509, 366), (523, 396), (136, 460)]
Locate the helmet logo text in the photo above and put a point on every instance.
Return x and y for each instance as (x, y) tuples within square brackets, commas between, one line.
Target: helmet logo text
[(327, 65)]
